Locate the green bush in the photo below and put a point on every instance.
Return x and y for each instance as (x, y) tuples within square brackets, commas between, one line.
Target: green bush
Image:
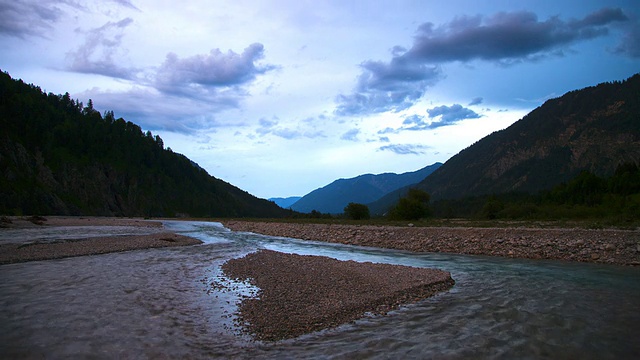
[(412, 207), (357, 211)]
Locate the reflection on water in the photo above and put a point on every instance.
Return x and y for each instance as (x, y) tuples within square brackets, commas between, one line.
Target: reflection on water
[(159, 303)]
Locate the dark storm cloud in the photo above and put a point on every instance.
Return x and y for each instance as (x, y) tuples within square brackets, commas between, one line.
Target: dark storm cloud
[(506, 36), (99, 52), (405, 149), (215, 69)]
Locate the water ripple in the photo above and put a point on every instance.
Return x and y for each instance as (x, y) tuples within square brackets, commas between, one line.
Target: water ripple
[(160, 303)]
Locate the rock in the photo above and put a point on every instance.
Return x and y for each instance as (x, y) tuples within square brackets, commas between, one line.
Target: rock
[(595, 256), (609, 247), (410, 225)]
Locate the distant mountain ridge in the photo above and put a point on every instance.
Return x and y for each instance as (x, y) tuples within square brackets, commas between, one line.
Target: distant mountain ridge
[(361, 189), (285, 203), (58, 157), (594, 129)]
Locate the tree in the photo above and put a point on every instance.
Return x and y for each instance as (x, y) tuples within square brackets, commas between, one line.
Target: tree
[(357, 211), (491, 208), (411, 207)]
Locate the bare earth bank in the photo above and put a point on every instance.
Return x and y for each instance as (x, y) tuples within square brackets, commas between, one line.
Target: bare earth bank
[(620, 247), (300, 294)]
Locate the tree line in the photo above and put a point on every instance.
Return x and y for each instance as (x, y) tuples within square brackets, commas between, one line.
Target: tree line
[(59, 156)]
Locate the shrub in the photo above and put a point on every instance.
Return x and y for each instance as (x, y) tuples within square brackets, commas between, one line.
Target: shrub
[(357, 211)]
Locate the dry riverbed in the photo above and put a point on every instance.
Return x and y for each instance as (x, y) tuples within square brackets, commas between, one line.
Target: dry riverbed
[(620, 247)]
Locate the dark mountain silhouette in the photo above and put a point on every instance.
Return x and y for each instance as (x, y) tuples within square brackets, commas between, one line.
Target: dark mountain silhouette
[(361, 189), (285, 203), (59, 157), (595, 129)]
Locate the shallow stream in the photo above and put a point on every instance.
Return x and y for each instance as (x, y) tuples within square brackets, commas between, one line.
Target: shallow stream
[(159, 303)]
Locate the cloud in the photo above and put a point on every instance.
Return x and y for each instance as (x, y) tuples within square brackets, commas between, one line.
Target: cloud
[(392, 86), (405, 149), (450, 115), (272, 127), (629, 44), (153, 110), (215, 69), (506, 37), (125, 3), (28, 18), (96, 54), (351, 135), (180, 95), (476, 101)]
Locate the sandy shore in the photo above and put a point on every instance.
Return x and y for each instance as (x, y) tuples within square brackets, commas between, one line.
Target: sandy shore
[(12, 253), (302, 294), (600, 246)]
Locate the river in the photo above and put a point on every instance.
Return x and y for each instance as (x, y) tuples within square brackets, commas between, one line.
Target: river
[(159, 303)]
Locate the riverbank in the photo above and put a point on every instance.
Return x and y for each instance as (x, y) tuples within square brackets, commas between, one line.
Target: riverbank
[(61, 248), (620, 247), (300, 294)]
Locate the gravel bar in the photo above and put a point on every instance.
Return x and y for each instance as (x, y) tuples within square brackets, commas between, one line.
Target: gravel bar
[(620, 247), (300, 294), (14, 253)]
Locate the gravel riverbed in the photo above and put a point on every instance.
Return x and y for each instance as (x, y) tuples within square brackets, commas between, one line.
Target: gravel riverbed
[(620, 247)]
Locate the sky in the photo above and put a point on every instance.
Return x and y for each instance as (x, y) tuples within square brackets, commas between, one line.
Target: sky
[(282, 97)]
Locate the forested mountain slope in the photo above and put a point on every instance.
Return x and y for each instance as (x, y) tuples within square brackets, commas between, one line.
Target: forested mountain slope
[(60, 157), (361, 189), (594, 129)]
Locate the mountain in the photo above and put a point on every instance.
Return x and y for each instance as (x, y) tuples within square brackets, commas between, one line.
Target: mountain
[(285, 203), (361, 189), (593, 129), (58, 157)]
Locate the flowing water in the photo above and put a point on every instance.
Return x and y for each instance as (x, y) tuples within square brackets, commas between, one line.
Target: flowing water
[(160, 303)]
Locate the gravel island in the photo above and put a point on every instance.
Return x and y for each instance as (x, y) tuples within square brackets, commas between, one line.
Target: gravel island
[(301, 294)]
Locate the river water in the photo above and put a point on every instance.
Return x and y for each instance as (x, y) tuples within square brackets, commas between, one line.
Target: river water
[(159, 303)]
